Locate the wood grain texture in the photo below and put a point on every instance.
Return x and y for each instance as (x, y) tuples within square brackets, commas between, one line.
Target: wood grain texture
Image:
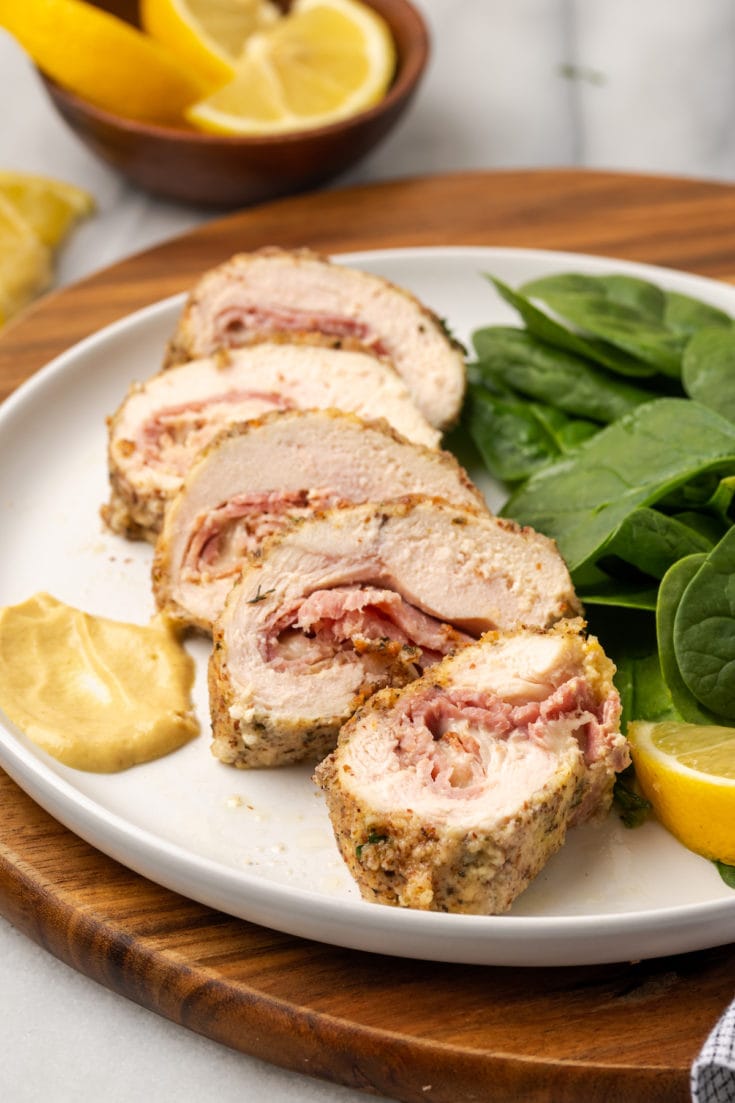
[(408, 1030)]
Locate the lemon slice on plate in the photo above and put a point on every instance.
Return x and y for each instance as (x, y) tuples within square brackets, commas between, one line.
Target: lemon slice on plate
[(50, 207), (207, 35), (324, 61), (687, 771), (102, 59)]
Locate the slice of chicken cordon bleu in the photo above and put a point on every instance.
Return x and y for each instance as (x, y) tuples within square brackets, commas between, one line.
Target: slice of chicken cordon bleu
[(257, 478), (358, 598), (452, 793), (274, 291), (163, 423)]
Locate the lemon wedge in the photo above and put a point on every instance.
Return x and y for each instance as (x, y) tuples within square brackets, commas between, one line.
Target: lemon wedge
[(36, 214), (25, 262), (687, 771), (102, 59), (50, 207), (208, 36), (324, 61)]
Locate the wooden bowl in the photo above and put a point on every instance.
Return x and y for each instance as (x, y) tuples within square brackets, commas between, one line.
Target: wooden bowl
[(216, 171)]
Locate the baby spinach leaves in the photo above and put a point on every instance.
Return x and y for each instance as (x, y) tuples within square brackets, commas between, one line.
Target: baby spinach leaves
[(629, 637), (582, 499), (623, 595), (704, 630), (686, 315), (644, 298), (560, 336), (633, 809), (626, 312), (600, 347), (653, 541), (672, 587), (515, 437), (708, 369), (727, 873), (610, 416), (599, 504), (521, 361)]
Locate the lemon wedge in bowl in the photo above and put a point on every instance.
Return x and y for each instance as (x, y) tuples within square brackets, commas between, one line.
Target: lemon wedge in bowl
[(687, 772), (324, 61), (207, 35), (103, 59)]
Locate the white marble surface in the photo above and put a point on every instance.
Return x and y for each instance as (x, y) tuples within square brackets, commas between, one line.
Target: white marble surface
[(641, 85)]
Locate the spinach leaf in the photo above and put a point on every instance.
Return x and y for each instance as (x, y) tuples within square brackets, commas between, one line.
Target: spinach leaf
[(710, 528), (708, 369), (720, 501), (573, 431), (551, 375), (627, 595), (670, 592), (704, 630), (459, 442), (622, 326), (696, 494), (651, 696), (479, 375), (632, 808), (686, 315), (629, 638), (581, 499), (624, 311), (727, 873), (516, 438), (644, 297), (553, 332), (679, 313), (625, 684), (652, 541)]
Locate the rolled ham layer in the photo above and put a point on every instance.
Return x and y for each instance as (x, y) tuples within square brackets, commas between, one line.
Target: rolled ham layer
[(452, 793), (256, 478), (254, 296), (164, 423), (359, 598)]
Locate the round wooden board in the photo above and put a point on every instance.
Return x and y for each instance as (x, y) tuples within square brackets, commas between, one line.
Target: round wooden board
[(409, 1030)]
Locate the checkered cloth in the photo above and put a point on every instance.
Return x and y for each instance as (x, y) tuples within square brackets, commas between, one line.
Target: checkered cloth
[(713, 1072)]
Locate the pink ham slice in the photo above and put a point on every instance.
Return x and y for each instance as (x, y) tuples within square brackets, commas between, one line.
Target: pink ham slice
[(255, 296), (366, 619), (257, 478), (359, 598), (451, 794), (164, 423)]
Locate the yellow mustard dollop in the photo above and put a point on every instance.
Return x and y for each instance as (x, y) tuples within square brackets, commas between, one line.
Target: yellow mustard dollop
[(97, 694)]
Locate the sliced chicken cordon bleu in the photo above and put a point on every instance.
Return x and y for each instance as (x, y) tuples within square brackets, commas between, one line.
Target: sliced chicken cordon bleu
[(452, 793), (165, 422), (253, 296), (258, 477), (359, 598)]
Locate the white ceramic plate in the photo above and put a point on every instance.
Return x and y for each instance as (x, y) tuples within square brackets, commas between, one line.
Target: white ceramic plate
[(258, 845)]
